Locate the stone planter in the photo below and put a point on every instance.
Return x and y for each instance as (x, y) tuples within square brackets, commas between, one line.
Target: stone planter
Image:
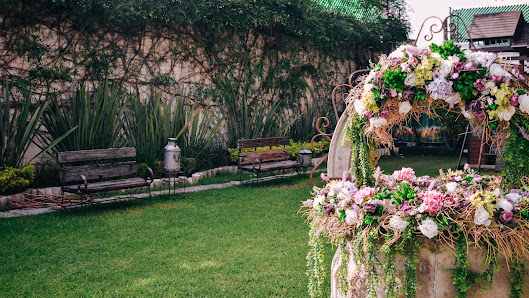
[(433, 279)]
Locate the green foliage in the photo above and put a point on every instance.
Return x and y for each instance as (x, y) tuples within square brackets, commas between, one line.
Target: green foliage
[(316, 270), (404, 193), (516, 154), (361, 152), (97, 115), (19, 128), (343, 283), (517, 279), (394, 79), (448, 48), (293, 148), (390, 268), (149, 125), (12, 179), (465, 85)]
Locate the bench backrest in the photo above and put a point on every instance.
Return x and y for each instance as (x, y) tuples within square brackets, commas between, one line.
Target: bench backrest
[(98, 164), (270, 154)]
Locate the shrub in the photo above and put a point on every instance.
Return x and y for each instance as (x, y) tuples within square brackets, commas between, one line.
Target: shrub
[(293, 148), (12, 179)]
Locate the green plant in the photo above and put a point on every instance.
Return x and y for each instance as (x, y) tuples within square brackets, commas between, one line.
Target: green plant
[(19, 128), (148, 125), (516, 154), (98, 116), (293, 148), (12, 179)]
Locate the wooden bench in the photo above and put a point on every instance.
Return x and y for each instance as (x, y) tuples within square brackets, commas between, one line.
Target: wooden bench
[(88, 172), (265, 160)]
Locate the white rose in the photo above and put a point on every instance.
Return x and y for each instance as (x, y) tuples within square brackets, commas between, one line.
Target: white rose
[(523, 101), (451, 187), (398, 53), (398, 223), (496, 69), (514, 197), (428, 228), (410, 79), (504, 204), (318, 200), (351, 216), (446, 67), (359, 107), (506, 113), (482, 217), (378, 122), (404, 107)]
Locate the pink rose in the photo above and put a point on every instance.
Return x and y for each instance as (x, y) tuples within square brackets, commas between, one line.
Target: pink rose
[(395, 61), (368, 115), (495, 78), (405, 174), (363, 194), (379, 73), (506, 216), (455, 75), (480, 115), (514, 100), (384, 113), (432, 202), (460, 65)]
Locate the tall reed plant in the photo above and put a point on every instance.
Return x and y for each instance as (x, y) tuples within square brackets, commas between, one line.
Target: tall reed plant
[(20, 123), (98, 115), (149, 124)]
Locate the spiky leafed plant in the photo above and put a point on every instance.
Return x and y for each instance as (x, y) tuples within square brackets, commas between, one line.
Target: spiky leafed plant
[(97, 114), (20, 123)]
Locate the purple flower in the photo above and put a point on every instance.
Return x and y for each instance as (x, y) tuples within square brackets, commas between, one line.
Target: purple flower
[(324, 177), (464, 203), (479, 85), (520, 77), (395, 61), (368, 115), (475, 106), (455, 75), (413, 61), (406, 208), (424, 52), (515, 190), (514, 100), (480, 115), (328, 209), (526, 193), (388, 93), (469, 65), (371, 206), (384, 113), (408, 95), (412, 50), (308, 203), (506, 216)]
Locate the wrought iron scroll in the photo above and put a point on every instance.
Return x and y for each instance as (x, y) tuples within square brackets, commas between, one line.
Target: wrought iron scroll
[(446, 27), (320, 127)]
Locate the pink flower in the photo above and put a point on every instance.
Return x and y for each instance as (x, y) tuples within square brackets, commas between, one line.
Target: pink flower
[(432, 202), (480, 115), (514, 100), (363, 194), (460, 65), (384, 113), (449, 201), (413, 61), (469, 65), (506, 216), (424, 52), (479, 85), (406, 174), (495, 78), (368, 115), (395, 61), (379, 73), (455, 75)]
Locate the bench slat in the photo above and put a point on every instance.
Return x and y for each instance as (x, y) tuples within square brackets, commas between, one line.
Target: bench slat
[(263, 156), (102, 171), (271, 166), (265, 142), (107, 185), (97, 154)]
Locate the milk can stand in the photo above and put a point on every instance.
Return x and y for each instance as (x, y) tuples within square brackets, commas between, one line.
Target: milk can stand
[(171, 160)]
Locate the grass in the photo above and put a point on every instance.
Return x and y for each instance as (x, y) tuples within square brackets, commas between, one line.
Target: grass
[(246, 240), (422, 164)]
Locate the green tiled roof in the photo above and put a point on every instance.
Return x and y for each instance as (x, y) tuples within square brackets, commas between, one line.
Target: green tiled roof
[(467, 14), (346, 7)]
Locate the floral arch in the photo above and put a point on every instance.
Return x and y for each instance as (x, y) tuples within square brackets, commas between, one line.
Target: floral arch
[(367, 211)]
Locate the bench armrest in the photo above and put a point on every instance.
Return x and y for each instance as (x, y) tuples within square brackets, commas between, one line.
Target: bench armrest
[(85, 182), (150, 178)]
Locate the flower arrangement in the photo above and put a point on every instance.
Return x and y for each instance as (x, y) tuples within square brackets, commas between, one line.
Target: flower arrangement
[(401, 206), (414, 81)]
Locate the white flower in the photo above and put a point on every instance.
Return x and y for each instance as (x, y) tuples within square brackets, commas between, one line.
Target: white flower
[(351, 216), (504, 204), (481, 57), (496, 69), (482, 217), (428, 228), (398, 223), (404, 107), (368, 87), (398, 53), (359, 107), (318, 200), (370, 76), (378, 122), (410, 79), (514, 198), (405, 67), (523, 101), (446, 67), (436, 55), (451, 187), (506, 113), (466, 113)]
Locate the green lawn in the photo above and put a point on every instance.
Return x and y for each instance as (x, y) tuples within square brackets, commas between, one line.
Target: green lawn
[(233, 242), (423, 164)]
